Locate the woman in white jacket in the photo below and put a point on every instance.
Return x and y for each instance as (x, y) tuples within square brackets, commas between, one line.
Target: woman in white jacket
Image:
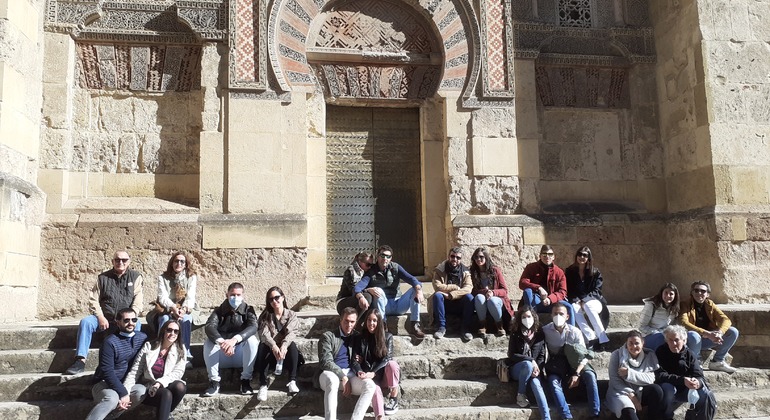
[(156, 376), (658, 313), (632, 381)]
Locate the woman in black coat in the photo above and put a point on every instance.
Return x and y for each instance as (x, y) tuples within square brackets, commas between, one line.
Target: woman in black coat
[(584, 293), (526, 355), (373, 359)]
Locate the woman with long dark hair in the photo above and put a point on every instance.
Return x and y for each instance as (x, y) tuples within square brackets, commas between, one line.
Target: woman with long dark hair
[(373, 359), (353, 274), (584, 293), (176, 300), (632, 380), (278, 327), (489, 294), (526, 355), (156, 375), (658, 313)]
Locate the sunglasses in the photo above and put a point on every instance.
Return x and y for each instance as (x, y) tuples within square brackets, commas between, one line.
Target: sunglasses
[(582, 254), (183, 262), (549, 254), (479, 257), (455, 257), (172, 331), (123, 260), (386, 256), (133, 320), (700, 291), (276, 298)]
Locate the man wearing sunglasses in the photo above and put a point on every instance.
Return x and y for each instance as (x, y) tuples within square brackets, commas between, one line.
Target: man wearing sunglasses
[(451, 281), (707, 326), (115, 359), (387, 276), (115, 289)]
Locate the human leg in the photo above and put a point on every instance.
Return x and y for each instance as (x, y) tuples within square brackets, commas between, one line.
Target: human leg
[(378, 403), (211, 352), (521, 372), (695, 343), (292, 360), (480, 305), (628, 413), (330, 384), (264, 358), (439, 311), (582, 323), (468, 309), (365, 388), (528, 298), (554, 381), (728, 341), (392, 377), (88, 326), (248, 351), (652, 401), (185, 325), (106, 402), (669, 400), (494, 307), (592, 309), (542, 402), (654, 340), (592, 390), (137, 394)]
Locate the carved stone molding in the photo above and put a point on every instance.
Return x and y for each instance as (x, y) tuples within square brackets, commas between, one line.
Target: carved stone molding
[(582, 87), (402, 82), (139, 21)]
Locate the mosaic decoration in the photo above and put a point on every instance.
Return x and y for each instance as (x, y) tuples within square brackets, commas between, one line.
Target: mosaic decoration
[(497, 39), (575, 13), (248, 63), (154, 68)]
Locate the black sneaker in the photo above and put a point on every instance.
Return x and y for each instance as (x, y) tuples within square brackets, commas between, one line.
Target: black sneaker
[(246, 388), (391, 407), (212, 390), (78, 367)]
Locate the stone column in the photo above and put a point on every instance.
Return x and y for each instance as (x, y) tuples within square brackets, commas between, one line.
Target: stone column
[(21, 201), (212, 148)]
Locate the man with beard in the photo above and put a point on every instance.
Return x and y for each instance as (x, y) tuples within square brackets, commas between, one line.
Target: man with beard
[(451, 281)]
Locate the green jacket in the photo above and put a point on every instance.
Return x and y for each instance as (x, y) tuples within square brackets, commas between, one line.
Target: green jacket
[(328, 346)]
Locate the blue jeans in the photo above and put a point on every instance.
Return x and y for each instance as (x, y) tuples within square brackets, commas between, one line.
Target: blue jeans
[(673, 397), (592, 391), (185, 332), (522, 373), (441, 306), (654, 340), (493, 305), (533, 299), (696, 343), (88, 326), (400, 305)]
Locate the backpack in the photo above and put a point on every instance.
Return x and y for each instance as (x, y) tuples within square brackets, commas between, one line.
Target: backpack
[(706, 409)]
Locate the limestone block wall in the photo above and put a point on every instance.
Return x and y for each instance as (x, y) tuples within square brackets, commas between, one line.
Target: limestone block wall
[(77, 249), (21, 201)]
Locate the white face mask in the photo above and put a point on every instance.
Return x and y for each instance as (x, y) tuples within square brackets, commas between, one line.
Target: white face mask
[(559, 320), (528, 322), (235, 301)]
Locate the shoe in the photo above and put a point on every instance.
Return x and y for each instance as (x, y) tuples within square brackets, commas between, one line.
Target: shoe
[(246, 388), (78, 367), (212, 390), (418, 333), (482, 332), (391, 407), (522, 401), (722, 366), (439, 334), (500, 330), (466, 337), (188, 365), (262, 394), (293, 389)]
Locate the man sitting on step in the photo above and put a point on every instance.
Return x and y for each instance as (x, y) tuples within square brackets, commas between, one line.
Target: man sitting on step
[(451, 281), (114, 289), (115, 360), (335, 349), (708, 325), (232, 340), (387, 275)]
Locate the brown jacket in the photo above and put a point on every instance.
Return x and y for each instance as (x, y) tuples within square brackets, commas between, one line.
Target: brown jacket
[(717, 318), (454, 291)]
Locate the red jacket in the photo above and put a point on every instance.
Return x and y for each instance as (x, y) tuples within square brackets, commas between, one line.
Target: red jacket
[(500, 290), (552, 279)]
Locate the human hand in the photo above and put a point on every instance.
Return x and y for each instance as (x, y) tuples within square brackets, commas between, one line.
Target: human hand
[(535, 370), (374, 291), (124, 403), (277, 353), (228, 346), (623, 371), (362, 303), (103, 323), (546, 302), (420, 297), (153, 389), (347, 390), (542, 292), (635, 401), (573, 381), (489, 293), (691, 383)]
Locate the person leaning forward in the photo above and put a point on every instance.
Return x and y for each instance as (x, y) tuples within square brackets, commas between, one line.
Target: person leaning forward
[(451, 281), (115, 289)]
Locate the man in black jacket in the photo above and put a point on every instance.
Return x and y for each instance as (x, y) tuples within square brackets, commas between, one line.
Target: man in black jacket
[(232, 340)]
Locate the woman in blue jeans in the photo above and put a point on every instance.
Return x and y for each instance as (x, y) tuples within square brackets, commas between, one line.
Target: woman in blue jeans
[(489, 294), (526, 353)]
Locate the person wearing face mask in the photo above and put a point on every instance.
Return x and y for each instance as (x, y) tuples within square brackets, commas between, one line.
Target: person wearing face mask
[(545, 284), (232, 341), (568, 361), (526, 355)]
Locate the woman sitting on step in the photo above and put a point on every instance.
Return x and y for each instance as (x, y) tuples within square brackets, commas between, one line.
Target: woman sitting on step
[(489, 295), (526, 355), (632, 376), (156, 376), (584, 293), (373, 359), (278, 327), (658, 313)]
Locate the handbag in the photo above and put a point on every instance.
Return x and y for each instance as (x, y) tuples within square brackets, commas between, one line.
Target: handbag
[(502, 370)]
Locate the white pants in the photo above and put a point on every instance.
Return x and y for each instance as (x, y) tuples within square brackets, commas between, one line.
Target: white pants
[(591, 308), (330, 383), (245, 354)]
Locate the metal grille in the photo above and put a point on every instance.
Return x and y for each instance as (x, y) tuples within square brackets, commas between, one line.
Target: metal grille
[(373, 185)]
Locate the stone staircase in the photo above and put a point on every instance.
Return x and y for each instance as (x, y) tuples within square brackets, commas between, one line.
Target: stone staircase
[(441, 379)]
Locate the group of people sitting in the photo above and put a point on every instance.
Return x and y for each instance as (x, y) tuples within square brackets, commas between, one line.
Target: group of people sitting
[(659, 366)]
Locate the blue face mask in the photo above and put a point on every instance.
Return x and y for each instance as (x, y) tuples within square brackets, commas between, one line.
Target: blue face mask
[(235, 301)]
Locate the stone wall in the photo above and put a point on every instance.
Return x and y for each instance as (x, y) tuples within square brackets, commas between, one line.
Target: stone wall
[(76, 250), (21, 201)]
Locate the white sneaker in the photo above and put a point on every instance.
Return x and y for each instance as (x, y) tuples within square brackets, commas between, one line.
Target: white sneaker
[(522, 401), (293, 389), (262, 395), (723, 366)]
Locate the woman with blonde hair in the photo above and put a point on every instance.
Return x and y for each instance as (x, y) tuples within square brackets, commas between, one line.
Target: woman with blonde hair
[(177, 288)]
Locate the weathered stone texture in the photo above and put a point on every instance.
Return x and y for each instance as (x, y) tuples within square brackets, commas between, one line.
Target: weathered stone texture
[(73, 256), (494, 122), (495, 195)]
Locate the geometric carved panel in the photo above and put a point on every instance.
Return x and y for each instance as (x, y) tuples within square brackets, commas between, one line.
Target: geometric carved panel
[(582, 87), (248, 62), (497, 41)]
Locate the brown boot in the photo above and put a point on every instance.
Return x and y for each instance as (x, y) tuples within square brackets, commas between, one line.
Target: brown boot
[(500, 330), (418, 333), (482, 332)]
